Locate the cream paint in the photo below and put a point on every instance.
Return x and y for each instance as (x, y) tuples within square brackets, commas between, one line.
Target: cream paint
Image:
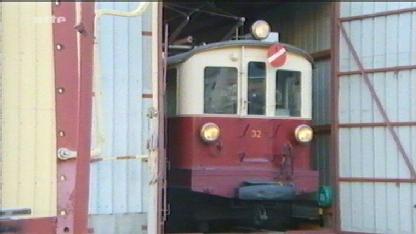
[(191, 85), (28, 146)]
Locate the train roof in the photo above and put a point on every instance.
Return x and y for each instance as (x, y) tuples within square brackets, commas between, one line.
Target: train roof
[(179, 58)]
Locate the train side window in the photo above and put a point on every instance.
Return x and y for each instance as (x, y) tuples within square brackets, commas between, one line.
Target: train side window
[(288, 93), (220, 90), (171, 91), (256, 88)]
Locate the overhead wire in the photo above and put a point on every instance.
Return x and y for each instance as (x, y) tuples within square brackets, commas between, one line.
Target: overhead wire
[(205, 11)]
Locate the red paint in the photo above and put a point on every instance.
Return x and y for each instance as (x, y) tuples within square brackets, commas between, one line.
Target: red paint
[(276, 55), (248, 149), (73, 113), (84, 117)]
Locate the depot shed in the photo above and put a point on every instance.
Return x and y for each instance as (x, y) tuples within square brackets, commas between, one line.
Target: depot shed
[(364, 96), (364, 109)]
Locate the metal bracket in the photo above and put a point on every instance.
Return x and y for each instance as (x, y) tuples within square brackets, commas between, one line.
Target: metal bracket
[(80, 28), (152, 113), (65, 154)]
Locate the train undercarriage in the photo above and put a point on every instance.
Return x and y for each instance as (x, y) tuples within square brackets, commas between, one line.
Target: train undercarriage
[(199, 212)]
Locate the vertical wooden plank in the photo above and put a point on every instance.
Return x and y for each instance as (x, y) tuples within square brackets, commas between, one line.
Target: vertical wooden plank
[(28, 146), (120, 108), (134, 119), (45, 124), (106, 48), (27, 103), (10, 104), (119, 183)]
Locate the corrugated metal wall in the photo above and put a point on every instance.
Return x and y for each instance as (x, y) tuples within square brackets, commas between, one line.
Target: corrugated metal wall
[(307, 26), (120, 125), (28, 168), (321, 116), (384, 41), (321, 98)]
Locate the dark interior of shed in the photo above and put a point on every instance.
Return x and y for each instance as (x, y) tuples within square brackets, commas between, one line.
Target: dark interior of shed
[(211, 21), (303, 24)]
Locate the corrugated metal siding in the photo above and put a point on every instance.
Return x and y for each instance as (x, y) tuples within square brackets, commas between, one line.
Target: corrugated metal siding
[(321, 115), (120, 186), (385, 41), (321, 96), (28, 109), (322, 157), (305, 25)]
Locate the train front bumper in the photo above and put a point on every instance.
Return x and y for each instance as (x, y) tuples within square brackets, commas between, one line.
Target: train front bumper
[(227, 181), (271, 191)]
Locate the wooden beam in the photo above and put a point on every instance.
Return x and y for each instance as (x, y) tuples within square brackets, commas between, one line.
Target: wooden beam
[(321, 55)]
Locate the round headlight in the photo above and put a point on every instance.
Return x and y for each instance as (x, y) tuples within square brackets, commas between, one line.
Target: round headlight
[(303, 133), (210, 132), (260, 29)]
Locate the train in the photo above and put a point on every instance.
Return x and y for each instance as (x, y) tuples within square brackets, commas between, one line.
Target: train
[(239, 129)]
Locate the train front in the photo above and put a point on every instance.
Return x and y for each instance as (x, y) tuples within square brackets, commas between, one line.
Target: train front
[(239, 116)]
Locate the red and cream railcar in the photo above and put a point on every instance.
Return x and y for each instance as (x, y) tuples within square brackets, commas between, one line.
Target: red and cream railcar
[(239, 127)]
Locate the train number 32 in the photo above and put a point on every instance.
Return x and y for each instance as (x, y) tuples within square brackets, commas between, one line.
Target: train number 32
[(256, 133)]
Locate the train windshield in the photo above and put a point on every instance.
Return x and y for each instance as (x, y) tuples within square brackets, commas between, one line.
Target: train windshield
[(288, 93), (220, 90), (256, 88)]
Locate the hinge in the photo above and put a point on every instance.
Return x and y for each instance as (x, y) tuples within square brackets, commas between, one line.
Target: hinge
[(166, 212), (65, 153)]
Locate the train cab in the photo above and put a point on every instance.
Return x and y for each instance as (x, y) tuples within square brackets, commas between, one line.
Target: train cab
[(239, 123)]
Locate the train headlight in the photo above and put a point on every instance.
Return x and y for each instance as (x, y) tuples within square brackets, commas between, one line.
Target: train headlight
[(260, 29), (303, 133), (210, 132)]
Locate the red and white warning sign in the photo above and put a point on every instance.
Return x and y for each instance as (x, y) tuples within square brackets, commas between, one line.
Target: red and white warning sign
[(276, 55)]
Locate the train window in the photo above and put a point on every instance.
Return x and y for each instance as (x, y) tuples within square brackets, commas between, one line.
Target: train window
[(171, 91), (288, 93), (220, 90), (256, 88)]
